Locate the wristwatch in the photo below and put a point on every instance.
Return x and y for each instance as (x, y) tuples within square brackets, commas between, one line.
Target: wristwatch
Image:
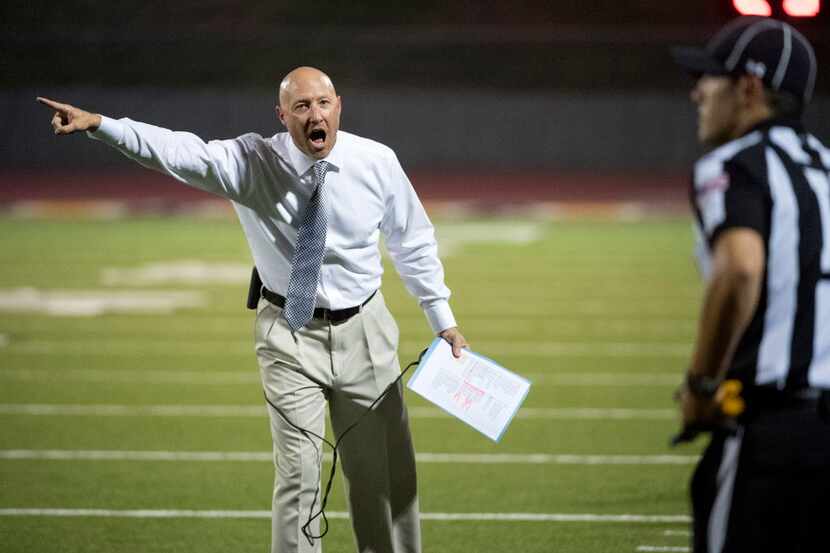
[(702, 386)]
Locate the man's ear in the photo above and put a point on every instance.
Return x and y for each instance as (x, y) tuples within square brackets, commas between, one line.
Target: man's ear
[(280, 115), (752, 89)]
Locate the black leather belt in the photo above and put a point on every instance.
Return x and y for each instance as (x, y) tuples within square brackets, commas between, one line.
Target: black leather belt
[(321, 313), (768, 396)]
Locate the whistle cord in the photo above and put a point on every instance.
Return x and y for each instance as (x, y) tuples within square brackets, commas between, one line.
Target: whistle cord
[(309, 435)]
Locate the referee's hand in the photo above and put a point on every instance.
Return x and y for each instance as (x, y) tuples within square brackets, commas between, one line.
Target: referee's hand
[(697, 411)]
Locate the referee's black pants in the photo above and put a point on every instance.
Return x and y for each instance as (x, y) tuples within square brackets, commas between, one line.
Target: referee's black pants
[(766, 488)]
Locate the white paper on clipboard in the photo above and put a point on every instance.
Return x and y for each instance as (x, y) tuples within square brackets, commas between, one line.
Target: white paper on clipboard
[(473, 388)]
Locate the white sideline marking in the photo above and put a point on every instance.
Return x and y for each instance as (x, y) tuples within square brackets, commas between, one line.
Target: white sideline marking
[(575, 413), (174, 376), (513, 517), (91, 303), (592, 349), (185, 271), (639, 380), (453, 236), (677, 533), (678, 327), (134, 410), (260, 410), (554, 459), (146, 376), (660, 548), (267, 456)]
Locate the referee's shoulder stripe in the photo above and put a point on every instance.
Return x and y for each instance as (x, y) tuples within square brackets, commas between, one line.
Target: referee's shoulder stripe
[(711, 165), (787, 139), (824, 153), (711, 180)]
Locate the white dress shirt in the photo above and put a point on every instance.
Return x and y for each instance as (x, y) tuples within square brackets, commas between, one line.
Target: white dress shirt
[(269, 183)]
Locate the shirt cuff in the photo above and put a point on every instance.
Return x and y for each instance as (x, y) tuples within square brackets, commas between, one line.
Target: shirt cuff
[(110, 131), (440, 316)]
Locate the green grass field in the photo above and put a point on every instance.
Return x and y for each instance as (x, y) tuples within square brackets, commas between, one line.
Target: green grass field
[(598, 314)]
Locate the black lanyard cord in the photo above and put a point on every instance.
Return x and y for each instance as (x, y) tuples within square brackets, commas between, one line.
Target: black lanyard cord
[(310, 436)]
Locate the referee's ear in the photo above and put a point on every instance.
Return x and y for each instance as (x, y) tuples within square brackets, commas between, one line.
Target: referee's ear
[(751, 90)]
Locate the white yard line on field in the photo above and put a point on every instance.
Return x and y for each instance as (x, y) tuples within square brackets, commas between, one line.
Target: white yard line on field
[(267, 456), (132, 410), (191, 347), (662, 548), (211, 378), (630, 325), (575, 413), (260, 410), (91, 303), (510, 517), (181, 271), (590, 349), (682, 533), (453, 237), (638, 380), (144, 376)]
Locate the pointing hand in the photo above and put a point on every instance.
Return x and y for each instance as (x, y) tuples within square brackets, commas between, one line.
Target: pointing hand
[(69, 119)]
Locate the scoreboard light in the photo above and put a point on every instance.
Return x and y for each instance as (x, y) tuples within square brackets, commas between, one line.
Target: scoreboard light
[(753, 7), (791, 8), (802, 8)]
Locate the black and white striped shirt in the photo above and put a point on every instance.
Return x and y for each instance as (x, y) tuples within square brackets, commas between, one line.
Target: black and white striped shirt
[(775, 180)]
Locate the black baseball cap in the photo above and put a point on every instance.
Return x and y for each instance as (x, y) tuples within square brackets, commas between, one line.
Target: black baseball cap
[(770, 49)]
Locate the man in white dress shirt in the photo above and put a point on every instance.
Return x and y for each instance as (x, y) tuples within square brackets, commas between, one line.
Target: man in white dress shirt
[(312, 203)]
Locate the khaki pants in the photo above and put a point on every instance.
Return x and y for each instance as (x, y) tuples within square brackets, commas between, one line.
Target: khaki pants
[(349, 365)]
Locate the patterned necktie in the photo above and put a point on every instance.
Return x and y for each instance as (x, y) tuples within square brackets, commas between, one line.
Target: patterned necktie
[(308, 255)]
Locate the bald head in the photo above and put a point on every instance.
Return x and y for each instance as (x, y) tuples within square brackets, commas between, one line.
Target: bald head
[(301, 78), (309, 107)]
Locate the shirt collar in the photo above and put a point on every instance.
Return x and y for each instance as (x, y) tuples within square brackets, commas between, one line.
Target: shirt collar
[(302, 162), (767, 124)]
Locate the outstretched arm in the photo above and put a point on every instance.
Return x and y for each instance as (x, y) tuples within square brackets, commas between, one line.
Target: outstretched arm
[(69, 119), (220, 166)]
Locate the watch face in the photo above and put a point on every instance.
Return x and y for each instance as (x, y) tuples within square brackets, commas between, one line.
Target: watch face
[(704, 386)]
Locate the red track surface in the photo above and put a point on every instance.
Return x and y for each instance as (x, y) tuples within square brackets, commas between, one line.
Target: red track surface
[(488, 190)]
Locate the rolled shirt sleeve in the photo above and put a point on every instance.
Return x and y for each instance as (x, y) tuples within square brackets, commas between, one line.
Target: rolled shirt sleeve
[(410, 240)]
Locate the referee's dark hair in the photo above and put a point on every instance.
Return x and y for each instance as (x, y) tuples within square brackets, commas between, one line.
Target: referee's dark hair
[(784, 104)]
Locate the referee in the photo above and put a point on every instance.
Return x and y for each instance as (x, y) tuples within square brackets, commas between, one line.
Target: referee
[(759, 377)]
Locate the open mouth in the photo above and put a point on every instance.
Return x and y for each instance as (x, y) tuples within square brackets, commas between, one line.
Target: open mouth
[(317, 137)]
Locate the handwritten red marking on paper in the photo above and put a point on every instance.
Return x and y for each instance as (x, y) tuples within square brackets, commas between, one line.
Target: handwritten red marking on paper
[(467, 395)]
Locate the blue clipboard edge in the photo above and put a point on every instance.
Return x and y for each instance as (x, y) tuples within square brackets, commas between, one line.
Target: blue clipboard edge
[(431, 349), (513, 415)]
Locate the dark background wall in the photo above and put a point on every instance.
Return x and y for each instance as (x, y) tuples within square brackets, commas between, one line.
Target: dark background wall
[(519, 85), (438, 129)]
